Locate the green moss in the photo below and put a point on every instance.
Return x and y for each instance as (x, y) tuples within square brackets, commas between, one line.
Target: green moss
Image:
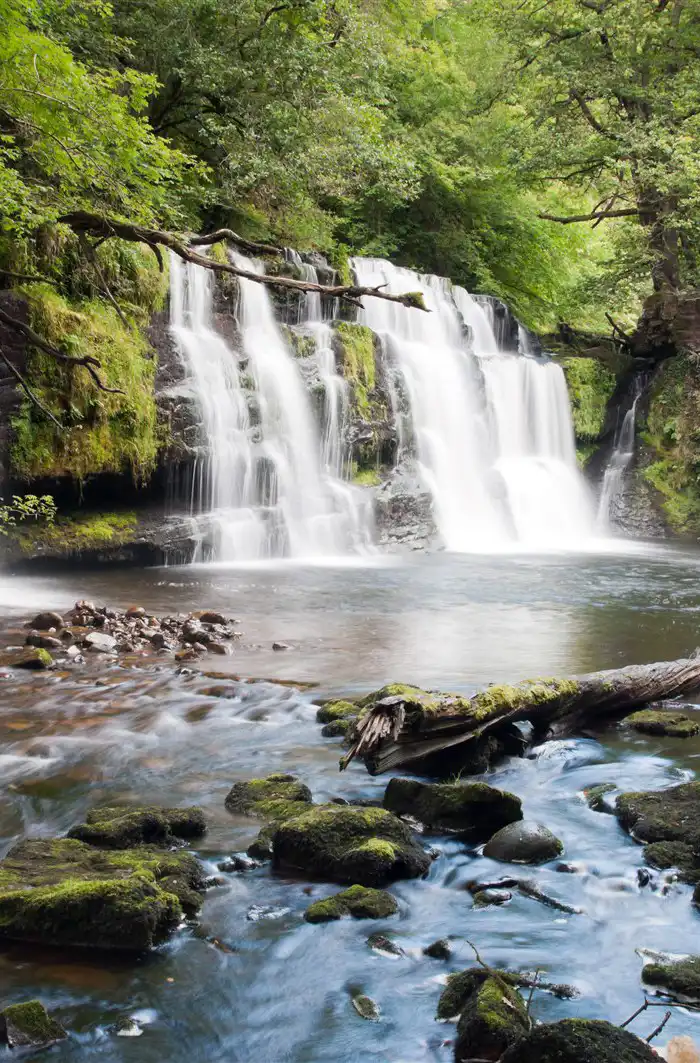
[(367, 478), (673, 438), (591, 385), (358, 901), (574, 1040), (344, 843), (277, 797), (336, 710), (302, 343), (356, 347), (124, 827), (76, 533), (474, 809), (496, 699), (30, 1024), (64, 892), (661, 722), (103, 432)]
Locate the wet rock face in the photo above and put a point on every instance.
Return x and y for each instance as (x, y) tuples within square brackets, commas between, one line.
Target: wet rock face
[(124, 827), (358, 901), (29, 1025), (476, 810), (669, 822), (524, 843), (275, 798), (343, 843), (66, 893), (580, 1041), (681, 977)]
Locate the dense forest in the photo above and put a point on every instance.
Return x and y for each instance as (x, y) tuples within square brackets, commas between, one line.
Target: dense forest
[(545, 153)]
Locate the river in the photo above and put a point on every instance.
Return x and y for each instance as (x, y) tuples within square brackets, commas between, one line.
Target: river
[(275, 989)]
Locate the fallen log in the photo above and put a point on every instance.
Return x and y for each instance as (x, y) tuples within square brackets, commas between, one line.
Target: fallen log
[(399, 725)]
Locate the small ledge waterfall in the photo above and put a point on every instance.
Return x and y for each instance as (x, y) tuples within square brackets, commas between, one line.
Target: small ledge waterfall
[(490, 427), (263, 486), (613, 485)]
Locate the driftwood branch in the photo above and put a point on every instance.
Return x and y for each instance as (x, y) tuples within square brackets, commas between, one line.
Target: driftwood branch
[(405, 728), (105, 228)]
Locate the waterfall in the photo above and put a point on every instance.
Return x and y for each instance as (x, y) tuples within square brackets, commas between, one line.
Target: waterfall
[(263, 489), (620, 459), (490, 426)]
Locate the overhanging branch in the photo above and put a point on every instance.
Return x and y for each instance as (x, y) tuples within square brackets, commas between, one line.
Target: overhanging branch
[(595, 215)]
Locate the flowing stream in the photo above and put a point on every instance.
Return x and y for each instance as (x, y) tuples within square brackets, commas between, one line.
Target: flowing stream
[(251, 980), (491, 426)]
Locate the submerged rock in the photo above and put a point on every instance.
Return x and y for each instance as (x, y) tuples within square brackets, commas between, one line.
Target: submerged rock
[(64, 892), (382, 943), (663, 722), (680, 976), (493, 1017), (438, 950), (474, 809), (343, 843), (490, 897), (29, 1025), (358, 901), (669, 822), (274, 798), (524, 843), (595, 797), (336, 728), (580, 1041), (123, 827)]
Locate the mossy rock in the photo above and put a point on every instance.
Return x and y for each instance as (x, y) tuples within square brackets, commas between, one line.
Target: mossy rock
[(475, 809), (337, 728), (30, 658), (343, 843), (358, 901), (681, 977), (337, 710), (66, 893), (124, 827), (29, 1025), (463, 984), (595, 796), (659, 722), (580, 1041), (493, 1017), (277, 797), (670, 821)]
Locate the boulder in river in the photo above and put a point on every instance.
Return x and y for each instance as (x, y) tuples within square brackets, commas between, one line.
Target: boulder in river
[(524, 843), (492, 1018), (475, 809), (29, 1025), (679, 977), (580, 1041), (358, 901), (343, 843), (663, 722), (100, 642), (123, 827), (47, 621), (63, 892), (31, 658), (274, 798), (337, 710), (668, 821)]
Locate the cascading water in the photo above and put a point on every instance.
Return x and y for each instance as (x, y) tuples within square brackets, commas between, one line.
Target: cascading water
[(491, 430), (620, 460), (263, 489)]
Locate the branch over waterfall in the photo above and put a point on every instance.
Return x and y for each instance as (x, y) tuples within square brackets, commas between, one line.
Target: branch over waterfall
[(401, 725)]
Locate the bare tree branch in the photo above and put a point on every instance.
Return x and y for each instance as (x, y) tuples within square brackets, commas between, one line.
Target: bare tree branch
[(626, 212), (28, 391)]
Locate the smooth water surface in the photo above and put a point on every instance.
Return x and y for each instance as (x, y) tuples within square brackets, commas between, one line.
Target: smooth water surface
[(235, 988)]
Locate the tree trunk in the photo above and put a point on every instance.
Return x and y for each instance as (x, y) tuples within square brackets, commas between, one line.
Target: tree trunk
[(402, 728)]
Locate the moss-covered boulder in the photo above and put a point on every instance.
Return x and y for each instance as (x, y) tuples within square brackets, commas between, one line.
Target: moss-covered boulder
[(343, 843), (681, 977), (337, 710), (580, 1041), (123, 827), (524, 843), (358, 901), (275, 798), (596, 797), (493, 1017), (669, 822), (661, 722), (64, 892), (29, 1025), (337, 728), (474, 809)]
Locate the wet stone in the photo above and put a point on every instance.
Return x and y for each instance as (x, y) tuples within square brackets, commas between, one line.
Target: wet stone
[(29, 1025), (595, 797), (208, 616), (46, 621), (383, 944), (358, 901), (366, 1008), (680, 977), (580, 1041), (438, 950), (123, 827), (100, 642), (281, 646), (276, 797), (489, 898), (492, 1018), (475, 810), (524, 843), (662, 722), (238, 862), (44, 642), (668, 821)]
